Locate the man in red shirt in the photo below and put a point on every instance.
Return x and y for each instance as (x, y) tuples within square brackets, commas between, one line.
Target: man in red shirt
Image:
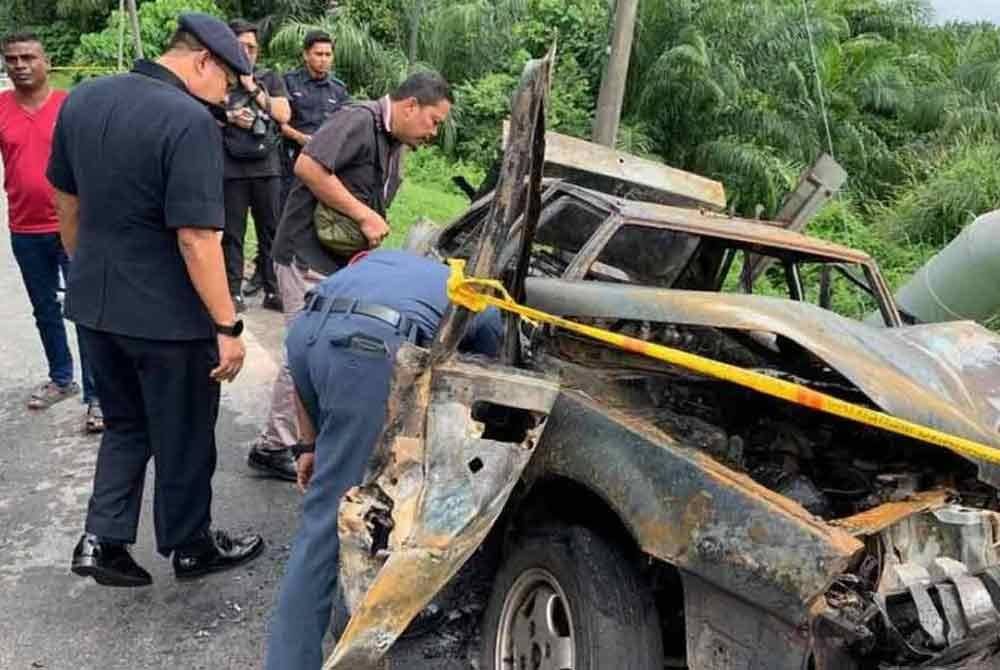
[(27, 119)]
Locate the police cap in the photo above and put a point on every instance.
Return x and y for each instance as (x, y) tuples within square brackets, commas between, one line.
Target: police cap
[(217, 38)]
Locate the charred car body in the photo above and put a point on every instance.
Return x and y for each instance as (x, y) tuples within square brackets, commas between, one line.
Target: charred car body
[(650, 517)]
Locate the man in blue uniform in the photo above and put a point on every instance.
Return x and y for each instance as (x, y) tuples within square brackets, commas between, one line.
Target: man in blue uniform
[(137, 169), (314, 94), (341, 352)]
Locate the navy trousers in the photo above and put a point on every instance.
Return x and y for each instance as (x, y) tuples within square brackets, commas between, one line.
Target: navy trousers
[(261, 196), (159, 402), (41, 258), (341, 365)]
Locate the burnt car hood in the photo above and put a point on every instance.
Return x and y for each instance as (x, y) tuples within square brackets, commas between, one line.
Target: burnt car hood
[(944, 376)]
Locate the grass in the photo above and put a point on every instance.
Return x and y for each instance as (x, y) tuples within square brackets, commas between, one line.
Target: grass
[(416, 201)]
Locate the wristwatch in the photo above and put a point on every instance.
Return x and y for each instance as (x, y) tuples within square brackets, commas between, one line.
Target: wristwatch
[(234, 330), (300, 448)]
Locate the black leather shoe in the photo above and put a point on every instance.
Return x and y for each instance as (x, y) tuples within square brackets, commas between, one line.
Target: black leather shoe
[(279, 464), (214, 552), (254, 284), (108, 563), (271, 301)]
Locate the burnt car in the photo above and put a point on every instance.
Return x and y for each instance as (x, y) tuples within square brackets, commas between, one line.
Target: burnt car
[(646, 516)]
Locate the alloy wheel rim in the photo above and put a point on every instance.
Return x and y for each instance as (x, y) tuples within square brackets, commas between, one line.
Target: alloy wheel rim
[(536, 626)]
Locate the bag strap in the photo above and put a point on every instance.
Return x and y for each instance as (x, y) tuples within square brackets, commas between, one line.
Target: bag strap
[(379, 196)]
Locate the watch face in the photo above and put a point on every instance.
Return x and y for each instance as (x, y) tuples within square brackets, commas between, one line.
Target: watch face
[(238, 328)]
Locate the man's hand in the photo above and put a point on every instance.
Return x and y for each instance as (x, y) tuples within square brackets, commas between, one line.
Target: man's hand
[(231, 353), (304, 470), (242, 117), (248, 83), (303, 139), (374, 228)]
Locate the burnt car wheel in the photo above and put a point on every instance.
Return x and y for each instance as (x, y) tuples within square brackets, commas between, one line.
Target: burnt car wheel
[(566, 599)]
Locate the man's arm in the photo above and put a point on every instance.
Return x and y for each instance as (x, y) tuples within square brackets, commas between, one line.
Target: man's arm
[(270, 95), (202, 254), (280, 110), (68, 211), (328, 189), (307, 435), (294, 135)]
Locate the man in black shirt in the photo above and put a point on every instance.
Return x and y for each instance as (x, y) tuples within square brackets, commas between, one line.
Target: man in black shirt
[(255, 108), (352, 165), (314, 95), (137, 167)]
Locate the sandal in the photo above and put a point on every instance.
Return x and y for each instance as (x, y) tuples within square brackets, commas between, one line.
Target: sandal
[(95, 418), (49, 393)]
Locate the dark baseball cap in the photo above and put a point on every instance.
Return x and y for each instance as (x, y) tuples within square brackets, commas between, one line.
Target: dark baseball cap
[(217, 38)]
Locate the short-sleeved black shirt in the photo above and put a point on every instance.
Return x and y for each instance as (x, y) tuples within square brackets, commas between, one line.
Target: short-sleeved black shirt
[(313, 101), (266, 167), (347, 145), (144, 158)]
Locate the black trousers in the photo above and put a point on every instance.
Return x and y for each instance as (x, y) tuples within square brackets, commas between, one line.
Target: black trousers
[(289, 155), (262, 197), (159, 402)]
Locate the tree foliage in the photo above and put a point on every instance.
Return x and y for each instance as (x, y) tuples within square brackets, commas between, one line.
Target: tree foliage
[(746, 92), (157, 22)]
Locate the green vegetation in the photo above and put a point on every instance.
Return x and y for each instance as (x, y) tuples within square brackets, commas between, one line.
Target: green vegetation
[(745, 92)]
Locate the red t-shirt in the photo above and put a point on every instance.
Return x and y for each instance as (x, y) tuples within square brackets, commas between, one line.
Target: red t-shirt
[(25, 145)]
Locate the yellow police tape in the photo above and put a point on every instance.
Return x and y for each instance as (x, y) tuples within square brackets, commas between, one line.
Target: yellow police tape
[(83, 68), (470, 293)]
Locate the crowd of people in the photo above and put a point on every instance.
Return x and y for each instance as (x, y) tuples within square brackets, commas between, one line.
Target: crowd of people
[(133, 190)]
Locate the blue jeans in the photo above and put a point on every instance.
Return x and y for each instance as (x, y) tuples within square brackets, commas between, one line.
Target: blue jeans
[(341, 365), (41, 258)]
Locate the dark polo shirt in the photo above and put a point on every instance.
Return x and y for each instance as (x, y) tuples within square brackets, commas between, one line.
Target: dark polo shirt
[(145, 158), (352, 144)]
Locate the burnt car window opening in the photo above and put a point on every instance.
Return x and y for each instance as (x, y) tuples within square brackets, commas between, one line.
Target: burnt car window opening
[(644, 255), (564, 228)]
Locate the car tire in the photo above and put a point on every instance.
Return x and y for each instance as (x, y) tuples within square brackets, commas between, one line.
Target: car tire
[(566, 599)]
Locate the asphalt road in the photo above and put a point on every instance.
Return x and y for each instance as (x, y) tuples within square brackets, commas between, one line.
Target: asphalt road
[(52, 619)]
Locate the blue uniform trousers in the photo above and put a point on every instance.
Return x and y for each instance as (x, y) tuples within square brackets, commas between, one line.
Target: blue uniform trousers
[(41, 258), (341, 365)]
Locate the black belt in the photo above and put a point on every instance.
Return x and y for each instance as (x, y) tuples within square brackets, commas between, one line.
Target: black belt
[(403, 324)]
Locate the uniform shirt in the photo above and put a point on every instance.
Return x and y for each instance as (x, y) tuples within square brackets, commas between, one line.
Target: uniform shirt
[(145, 158), (414, 286), (313, 100), (25, 145), (348, 145), (271, 165)]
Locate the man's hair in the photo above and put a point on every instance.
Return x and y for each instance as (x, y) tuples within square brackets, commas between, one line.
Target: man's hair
[(429, 88), (184, 41), (240, 26), (19, 37), (314, 37)]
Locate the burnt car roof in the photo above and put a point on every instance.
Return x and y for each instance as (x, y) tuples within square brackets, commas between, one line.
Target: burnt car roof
[(722, 226)]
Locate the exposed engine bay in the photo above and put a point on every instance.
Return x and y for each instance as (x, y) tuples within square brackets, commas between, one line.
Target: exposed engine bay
[(927, 586)]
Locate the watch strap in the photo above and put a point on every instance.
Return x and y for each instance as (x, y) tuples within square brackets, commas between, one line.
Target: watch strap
[(300, 448)]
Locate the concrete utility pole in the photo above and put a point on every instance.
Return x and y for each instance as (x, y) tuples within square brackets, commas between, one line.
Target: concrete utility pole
[(416, 14), (609, 102), (133, 15)]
